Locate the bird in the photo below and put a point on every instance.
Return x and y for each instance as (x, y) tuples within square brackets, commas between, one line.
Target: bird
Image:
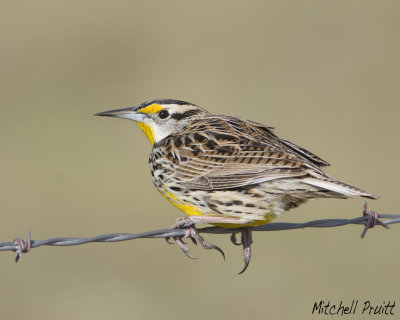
[(227, 171)]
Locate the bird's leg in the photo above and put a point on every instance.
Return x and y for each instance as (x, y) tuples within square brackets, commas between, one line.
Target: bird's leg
[(189, 224), (246, 243)]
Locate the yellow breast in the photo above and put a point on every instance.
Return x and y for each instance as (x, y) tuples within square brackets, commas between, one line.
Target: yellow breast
[(189, 209)]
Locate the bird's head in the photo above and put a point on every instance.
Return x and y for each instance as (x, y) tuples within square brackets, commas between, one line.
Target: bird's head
[(159, 118)]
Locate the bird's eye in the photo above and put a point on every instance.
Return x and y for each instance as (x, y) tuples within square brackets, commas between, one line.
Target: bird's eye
[(163, 114)]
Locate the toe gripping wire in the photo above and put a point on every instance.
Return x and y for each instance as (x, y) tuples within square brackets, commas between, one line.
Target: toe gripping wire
[(369, 219)]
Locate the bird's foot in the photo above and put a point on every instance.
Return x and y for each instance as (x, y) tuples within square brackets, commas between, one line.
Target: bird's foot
[(246, 241), (188, 223), (192, 233)]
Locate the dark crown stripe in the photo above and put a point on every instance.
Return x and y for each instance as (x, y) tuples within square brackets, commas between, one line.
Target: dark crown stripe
[(165, 102)]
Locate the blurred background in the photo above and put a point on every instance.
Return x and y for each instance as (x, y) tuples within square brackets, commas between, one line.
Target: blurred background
[(326, 74)]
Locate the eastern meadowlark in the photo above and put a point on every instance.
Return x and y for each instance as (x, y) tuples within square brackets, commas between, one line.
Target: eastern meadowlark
[(227, 171)]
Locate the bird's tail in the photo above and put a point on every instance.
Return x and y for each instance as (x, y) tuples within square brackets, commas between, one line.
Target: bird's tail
[(336, 186)]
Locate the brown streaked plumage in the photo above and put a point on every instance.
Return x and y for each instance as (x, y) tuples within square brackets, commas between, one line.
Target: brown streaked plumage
[(228, 171)]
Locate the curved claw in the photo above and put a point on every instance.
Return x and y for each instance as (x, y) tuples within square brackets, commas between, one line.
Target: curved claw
[(234, 240), (183, 247), (246, 242), (246, 258), (197, 237), (168, 241), (218, 249)]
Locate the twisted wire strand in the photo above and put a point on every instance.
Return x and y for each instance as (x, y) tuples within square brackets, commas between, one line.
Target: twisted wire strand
[(369, 219)]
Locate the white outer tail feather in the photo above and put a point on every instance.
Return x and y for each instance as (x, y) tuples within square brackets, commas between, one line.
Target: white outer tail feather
[(337, 186)]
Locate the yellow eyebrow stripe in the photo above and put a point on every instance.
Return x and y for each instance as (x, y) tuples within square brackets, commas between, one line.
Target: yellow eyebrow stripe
[(153, 108)]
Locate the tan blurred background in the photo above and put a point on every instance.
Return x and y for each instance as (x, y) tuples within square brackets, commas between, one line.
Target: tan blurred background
[(326, 74)]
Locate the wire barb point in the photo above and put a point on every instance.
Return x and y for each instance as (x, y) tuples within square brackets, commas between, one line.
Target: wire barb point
[(23, 246), (373, 220)]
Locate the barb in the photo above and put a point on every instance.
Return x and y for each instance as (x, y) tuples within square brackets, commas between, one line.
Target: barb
[(369, 219)]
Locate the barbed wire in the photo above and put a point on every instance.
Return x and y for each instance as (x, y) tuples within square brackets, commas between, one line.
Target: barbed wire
[(369, 219)]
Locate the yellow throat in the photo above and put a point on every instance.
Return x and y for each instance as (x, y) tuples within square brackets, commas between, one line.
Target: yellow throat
[(148, 131)]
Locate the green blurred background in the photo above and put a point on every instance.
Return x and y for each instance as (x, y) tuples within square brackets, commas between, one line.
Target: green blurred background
[(326, 74)]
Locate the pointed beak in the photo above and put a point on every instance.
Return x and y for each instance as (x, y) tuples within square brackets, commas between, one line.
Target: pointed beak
[(125, 113)]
